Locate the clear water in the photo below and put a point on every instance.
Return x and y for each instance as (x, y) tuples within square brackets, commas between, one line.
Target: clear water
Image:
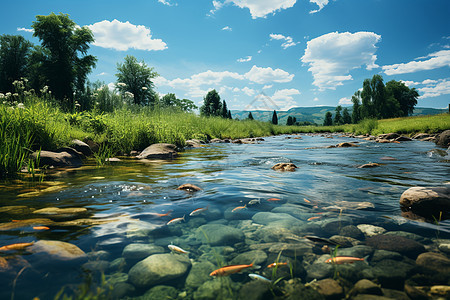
[(230, 175)]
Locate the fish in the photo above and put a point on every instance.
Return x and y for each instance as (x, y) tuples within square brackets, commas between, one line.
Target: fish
[(41, 228), (273, 199), (306, 200), (17, 246), (344, 260), (198, 211), (313, 218), (259, 277), (176, 249), (275, 264), (176, 220), (254, 201), (320, 240), (239, 208), (228, 270)]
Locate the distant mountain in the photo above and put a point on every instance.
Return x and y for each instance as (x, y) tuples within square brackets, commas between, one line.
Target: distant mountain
[(314, 114)]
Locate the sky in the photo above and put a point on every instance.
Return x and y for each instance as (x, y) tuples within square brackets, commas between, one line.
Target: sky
[(262, 54)]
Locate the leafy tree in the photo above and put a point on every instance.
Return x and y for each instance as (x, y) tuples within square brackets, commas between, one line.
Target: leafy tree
[(14, 54), (328, 121), (36, 73), (294, 120), (379, 97), (356, 114), (289, 121), (346, 118), (224, 110), (229, 115), (367, 108), (136, 78), (274, 118), (211, 104), (187, 105), (67, 64), (406, 97), (337, 117), (168, 100), (250, 116)]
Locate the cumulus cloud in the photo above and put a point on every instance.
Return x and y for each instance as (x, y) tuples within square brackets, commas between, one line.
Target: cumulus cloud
[(331, 56), (248, 91), (266, 75), (432, 61), (283, 98), (166, 2), (288, 41), (435, 88), (25, 29), (227, 28), (124, 35), (345, 101), (245, 59), (258, 8), (320, 3)]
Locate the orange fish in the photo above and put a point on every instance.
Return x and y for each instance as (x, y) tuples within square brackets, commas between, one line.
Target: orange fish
[(176, 220), (239, 208), (273, 199), (17, 246), (15, 221), (313, 218), (198, 211), (228, 270), (41, 228), (277, 264), (306, 200), (163, 215), (343, 260)]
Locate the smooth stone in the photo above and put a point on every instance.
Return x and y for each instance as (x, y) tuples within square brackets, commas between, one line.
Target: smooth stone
[(99, 255), (319, 271), (435, 262), (81, 147), (415, 293), (344, 241), (255, 290), (266, 218), (295, 290), (57, 250), (62, 213), (330, 288), (257, 257), (394, 294), (428, 202), (121, 290), (398, 244), (444, 247), (215, 289), (140, 229), (65, 158), (389, 136), (365, 286), (369, 165), (159, 151), (293, 210), (290, 167), (333, 225), (352, 231), (389, 273), (158, 268), (371, 230), (291, 249), (160, 292), (370, 297), (199, 273), (96, 266), (440, 291), (409, 235), (194, 143), (443, 139), (403, 138), (360, 251), (380, 255), (217, 234), (346, 145), (189, 187), (140, 251)]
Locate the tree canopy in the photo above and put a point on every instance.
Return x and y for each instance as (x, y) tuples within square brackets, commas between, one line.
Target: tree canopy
[(170, 100), (14, 55), (274, 118), (328, 121), (211, 104)]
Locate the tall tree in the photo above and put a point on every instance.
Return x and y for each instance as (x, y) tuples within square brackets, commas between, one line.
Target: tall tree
[(168, 100), (224, 110), (379, 97), (406, 97), (294, 121), (67, 65), (229, 115), (367, 107), (211, 104), (14, 54), (346, 118), (338, 117), (250, 116), (356, 113), (328, 121), (289, 121), (274, 118), (136, 78)]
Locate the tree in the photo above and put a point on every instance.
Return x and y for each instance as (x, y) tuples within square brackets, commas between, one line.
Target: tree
[(406, 97), (250, 116), (294, 121), (224, 110), (356, 114), (229, 115), (136, 78), (274, 118), (14, 54), (379, 97), (328, 121), (67, 65), (187, 105), (168, 100), (289, 121), (367, 110), (346, 118), (337, 117), (211, 104)]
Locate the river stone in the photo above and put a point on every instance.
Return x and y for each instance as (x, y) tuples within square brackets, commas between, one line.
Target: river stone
[(444, 247), (398, 244), (352, 231), (443, 139), (160, 292), (57, 250), (380, 255), (158, 151), (96, 266), (293, 210), (255, 290), (58, 159), (291, 249), (333, 225), (284, 167), (16, 210), (199, 273), (257, 257), (121, 290), (441, 291), (189, 187), (427, 201), (371, 230), (330, 288), (158, 268), (394, 294), (81, 147), (140, 251), (319, 271), (62, 213), (365, 286), (217, 234), (346, 145), (389, 136), (434, 262), (266, 218), (194, 143), (356, 251), (215, 289), (389, 273)]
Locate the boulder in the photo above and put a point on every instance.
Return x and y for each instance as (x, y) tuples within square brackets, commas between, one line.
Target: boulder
[(365, 286), (443, 139), (199, 273), (427, 202), (81, 147), (57, 213), (330, 288), (434, 262), (158, 268), (158, 151), (194, 143), (257, 257), (218, 234), (346, 145), (285, 167), (57, 250), (398, 244), (63, 158), (140, 251), (389, 136), (189, 187), (403, 139)]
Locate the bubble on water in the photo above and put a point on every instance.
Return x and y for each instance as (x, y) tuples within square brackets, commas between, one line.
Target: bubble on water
[(92, 196), (110, 201)]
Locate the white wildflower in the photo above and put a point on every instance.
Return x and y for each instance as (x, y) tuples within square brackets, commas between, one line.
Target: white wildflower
[(21, 106), (144, 88), (121, 84), (16, 95), (2, 95), (129, 95), (8, 94)]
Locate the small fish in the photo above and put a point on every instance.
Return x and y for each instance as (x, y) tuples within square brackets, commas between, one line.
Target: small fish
[(254, 201), (228, 270), (259, 277), (306, 200), (198, 211), (313, 218), (273, 199), (277, 264), (17, 246), (41, 228), (176, 220), (344, 260), (176, 249), (320, 240), (239, 208)]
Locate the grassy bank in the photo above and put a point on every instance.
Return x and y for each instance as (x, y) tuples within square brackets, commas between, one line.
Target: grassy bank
[(39, 124)]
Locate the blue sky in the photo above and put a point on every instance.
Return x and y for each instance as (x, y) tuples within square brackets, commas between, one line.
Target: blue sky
[(296, 52)]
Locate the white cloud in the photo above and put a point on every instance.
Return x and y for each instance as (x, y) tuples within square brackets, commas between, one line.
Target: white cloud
[(409, 82), (123, 36), (316, 99), (283, 98), (227, 28), (333, 55), (245, 59), (345, 101), (102, 74), (258, 8), (266, 75), (267, 87), (435, 60), (320, 3), (288, 41), (112, 86), (435, 88), (25, 29), (248, 91), (166, 2)]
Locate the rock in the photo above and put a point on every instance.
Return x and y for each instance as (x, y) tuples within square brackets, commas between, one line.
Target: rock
[(99, 255), (365, 286), (15, 210), (443, 139), (346, 145), (371, 230), (158, 268), (140, 251), (380, 255), (57, 213), (355, 251), (113, 159), (330, 289), (217, 141), (369, 165), (427, 201), (96, 266), (158, 151), (217, 234), (352, 231), (389, 273), (434, 262), (403, 139), (319, 271), (255, 290), (334, 225), (389, 136), (257, 257), (398, 244), (189, 187), (215, 289), (161, 292), (57, 250), (295, 290), (284, 167), (444, 247), (81, 147), (420, 136), (388, 158), (269, 218), (344, 241), (58, 159), (370, 297), (440, 291), (194, 143), (199, 273), (353, 205), (4, 265), (414, 293), (121, 290), (394, 294), (291, 249)]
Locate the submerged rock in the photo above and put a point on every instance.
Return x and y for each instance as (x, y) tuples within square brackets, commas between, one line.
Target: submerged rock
[(62, 213), (329, 288), (284, 167), (443, 139), (160, 292), (365, 286), (346, 145), (434, 262), (427, 201), (140, 251), (218, 234), (57, 250), (371, 230), (369, 165), (189, 187), (63, 158), (256, 257), (199, 273), (398, 244), (158, 151)]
